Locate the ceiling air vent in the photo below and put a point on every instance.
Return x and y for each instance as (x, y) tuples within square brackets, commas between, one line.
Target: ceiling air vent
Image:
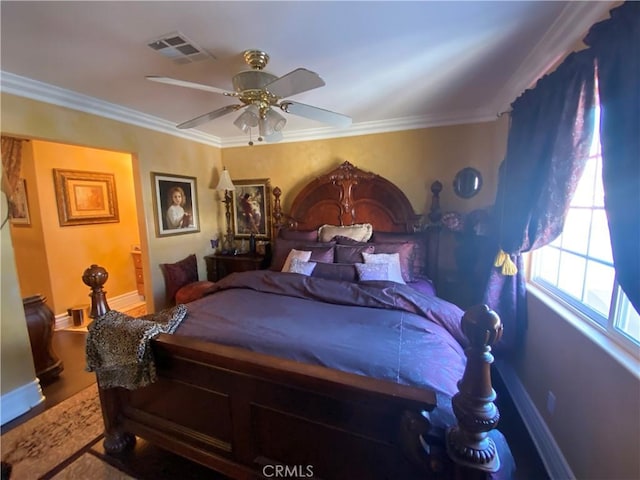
[(179, 49)]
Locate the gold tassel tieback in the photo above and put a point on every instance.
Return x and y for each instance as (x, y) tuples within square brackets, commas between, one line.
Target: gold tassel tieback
[(504, 260)]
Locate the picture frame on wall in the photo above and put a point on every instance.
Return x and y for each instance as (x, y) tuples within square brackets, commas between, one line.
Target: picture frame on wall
[(251, 207), (19, 205), (175, 205), (85, 198)]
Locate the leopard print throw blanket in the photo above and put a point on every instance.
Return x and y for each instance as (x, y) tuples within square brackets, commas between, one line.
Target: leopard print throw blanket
[(118, 346)]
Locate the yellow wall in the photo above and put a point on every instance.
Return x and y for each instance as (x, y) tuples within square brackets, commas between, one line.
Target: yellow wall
[(29, 241), (596, 420), (411, 159), (69, 250), (15, 349)]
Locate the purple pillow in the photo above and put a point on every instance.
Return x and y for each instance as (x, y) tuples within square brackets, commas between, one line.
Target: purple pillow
[(352, 253), (179, 274), (299, 235), (345, 272), (406, 253), (320, 252), (419, 266)]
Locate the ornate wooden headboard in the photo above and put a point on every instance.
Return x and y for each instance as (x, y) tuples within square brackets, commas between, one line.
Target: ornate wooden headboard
[(346, 196)]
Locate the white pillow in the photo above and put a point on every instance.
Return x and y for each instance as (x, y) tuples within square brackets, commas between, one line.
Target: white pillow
[(360, 232), (300, 266), (393, 259), (299, 254), (372, 271)]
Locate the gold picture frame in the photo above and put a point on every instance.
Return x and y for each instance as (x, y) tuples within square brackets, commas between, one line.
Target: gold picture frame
[(182, 217), (251, 208), (19, 206), (85, 198)]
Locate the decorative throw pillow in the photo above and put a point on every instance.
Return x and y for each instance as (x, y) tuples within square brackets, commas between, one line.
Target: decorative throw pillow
[(406, 253), (299, 235), (299, 266), (321, 252), (336, 271), (360, 232), (419, 240), (372, 271), (352, 253), (299, 254), (179, 274), (392, 259)]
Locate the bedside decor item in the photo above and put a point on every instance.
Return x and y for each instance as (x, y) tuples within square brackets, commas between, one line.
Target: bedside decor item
[(252, 209), (85, 198), (176, 204), (226, 185)]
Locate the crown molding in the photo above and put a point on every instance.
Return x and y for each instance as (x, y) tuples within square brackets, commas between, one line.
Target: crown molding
[(559, 40), (36, 90)]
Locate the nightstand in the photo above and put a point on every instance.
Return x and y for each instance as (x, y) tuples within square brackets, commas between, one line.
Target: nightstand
[(219, 266)]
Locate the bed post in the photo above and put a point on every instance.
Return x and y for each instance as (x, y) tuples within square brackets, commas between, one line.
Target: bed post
[(115, 439), (468, 443)]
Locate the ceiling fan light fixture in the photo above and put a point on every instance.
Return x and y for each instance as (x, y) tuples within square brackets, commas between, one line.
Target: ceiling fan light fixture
[(275, 121), (247, 119)]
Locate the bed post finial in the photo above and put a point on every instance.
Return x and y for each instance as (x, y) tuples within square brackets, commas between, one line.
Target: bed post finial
[(435, 213), (468, 443), (95, 277)]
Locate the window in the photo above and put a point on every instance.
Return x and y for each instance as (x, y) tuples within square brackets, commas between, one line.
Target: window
[(578, 266)]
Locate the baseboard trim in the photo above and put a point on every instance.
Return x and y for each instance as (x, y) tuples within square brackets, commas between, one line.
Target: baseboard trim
[(121, 302), (19, 401), (552, 458)]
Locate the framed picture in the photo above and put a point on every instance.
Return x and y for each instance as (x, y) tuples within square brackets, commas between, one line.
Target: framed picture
[(18, 205), (85, 198), (176, 204), (251, 208)]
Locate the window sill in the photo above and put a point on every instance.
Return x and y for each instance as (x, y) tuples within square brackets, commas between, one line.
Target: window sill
[(629, 360)]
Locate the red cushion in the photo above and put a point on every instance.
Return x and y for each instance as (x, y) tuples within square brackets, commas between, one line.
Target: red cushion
[(179, 274), (193, 291)]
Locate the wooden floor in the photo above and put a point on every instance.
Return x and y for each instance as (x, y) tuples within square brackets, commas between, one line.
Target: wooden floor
[(148, 461)]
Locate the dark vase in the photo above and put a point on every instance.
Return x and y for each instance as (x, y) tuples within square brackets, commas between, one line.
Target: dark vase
[(41, 323), (252, 244)]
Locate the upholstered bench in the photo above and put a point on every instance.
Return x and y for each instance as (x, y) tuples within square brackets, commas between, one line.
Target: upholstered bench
[(181, 281)]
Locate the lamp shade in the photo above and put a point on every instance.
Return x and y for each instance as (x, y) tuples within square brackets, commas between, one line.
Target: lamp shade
[(225, 182)]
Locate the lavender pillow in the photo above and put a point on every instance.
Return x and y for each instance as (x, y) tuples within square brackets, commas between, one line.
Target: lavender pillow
[(321, 252), (295, 254), (372, 271), (406, 254), (391, 259), (302, 267)]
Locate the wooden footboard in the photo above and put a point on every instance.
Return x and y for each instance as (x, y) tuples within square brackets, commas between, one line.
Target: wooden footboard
[(249, 415)]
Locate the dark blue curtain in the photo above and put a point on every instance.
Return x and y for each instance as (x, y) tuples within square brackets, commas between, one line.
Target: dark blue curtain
[(615, 46), (549, 139)]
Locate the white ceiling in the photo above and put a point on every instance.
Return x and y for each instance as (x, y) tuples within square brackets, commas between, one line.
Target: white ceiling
[(389, 65)]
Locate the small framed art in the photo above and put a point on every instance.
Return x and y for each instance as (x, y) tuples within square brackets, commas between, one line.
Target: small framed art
[(251, 207), (85, 198)]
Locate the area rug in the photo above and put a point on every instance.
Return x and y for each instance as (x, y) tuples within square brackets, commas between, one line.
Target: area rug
[(54, 437)]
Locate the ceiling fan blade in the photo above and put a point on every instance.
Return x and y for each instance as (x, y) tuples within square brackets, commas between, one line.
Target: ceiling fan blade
[(294, 82), (315, 113), (183, 83), (209, 116)]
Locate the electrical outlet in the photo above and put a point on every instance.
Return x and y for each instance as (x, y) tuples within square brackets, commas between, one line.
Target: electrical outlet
[(551, 402)]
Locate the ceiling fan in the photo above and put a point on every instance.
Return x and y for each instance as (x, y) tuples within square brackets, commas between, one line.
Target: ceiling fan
[(260, 91)]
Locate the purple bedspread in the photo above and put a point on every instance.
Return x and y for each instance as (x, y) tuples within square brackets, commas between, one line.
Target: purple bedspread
[(378, 329)]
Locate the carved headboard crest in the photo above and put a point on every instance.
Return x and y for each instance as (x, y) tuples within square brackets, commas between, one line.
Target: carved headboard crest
[(347, 195)]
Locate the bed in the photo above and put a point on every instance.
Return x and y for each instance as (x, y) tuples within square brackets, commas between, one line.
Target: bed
[(276, 373)]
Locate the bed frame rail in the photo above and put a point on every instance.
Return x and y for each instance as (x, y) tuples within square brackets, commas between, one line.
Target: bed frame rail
[(242, 413)]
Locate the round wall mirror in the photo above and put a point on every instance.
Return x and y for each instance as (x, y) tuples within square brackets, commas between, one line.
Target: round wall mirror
[(467, 183)]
